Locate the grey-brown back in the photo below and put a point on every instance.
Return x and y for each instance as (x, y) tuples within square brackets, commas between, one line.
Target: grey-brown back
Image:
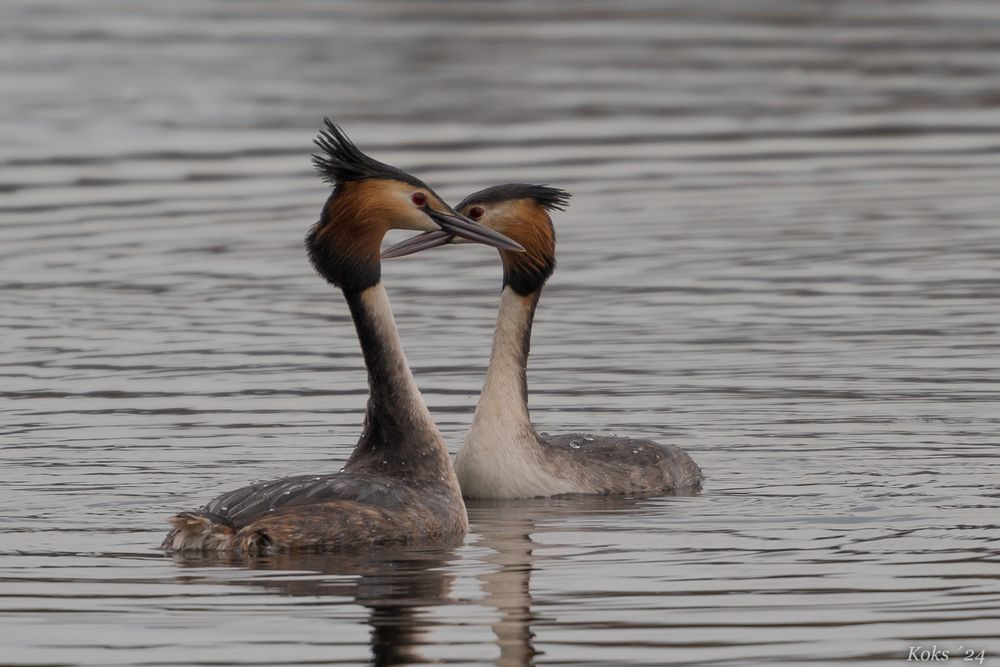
[(613, 464)]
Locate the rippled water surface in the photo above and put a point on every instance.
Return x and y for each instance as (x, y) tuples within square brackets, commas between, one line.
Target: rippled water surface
[(782, 254)]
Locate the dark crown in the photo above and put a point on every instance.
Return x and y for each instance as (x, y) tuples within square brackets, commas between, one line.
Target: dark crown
[(342, 161), (545, 196)]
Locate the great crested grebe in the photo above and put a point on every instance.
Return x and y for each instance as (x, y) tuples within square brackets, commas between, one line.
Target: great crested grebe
[(398, 485), (503, 456)]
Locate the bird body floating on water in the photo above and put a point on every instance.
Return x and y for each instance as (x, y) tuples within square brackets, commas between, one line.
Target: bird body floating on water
[(503, 456), (399, 485)]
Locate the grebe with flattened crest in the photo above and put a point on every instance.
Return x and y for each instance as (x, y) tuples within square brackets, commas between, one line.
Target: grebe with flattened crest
[(399, 485), (503, 456)]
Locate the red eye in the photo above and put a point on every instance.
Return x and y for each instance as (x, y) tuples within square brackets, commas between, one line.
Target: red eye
[(476, 212), (418, 198)]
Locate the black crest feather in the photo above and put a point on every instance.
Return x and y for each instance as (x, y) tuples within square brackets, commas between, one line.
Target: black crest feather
[(545, 196), (342, 161)]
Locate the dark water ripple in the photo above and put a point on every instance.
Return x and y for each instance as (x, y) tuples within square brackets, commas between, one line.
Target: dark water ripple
[(782, 254)]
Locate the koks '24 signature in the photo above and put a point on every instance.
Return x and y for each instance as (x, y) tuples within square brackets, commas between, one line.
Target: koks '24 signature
[(935, 654)]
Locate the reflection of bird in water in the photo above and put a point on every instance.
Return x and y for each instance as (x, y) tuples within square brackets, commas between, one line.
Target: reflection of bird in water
[(399, 585), (503, 456), (505, 527), (399, 485), (508, 588), (396, 585)]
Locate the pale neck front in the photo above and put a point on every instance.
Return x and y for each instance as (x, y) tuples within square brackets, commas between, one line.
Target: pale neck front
[(504, 399)]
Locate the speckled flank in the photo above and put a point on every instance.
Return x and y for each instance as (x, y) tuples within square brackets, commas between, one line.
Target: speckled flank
[(610, 464), (384, 512)]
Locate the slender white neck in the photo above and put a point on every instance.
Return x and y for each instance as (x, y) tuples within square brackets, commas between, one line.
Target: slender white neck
[(502, 456), (399, 436), (503, 403)]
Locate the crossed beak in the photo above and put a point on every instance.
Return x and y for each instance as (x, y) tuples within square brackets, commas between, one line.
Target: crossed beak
[(419, 243), (452, 224)]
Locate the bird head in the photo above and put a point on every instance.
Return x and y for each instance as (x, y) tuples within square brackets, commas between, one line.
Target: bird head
[(369, 198), (518, 211)]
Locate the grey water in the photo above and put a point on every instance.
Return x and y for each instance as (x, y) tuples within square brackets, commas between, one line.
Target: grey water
[(783, 254)]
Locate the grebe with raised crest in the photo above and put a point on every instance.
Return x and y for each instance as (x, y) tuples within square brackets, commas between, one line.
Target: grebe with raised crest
[(399, 485)]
